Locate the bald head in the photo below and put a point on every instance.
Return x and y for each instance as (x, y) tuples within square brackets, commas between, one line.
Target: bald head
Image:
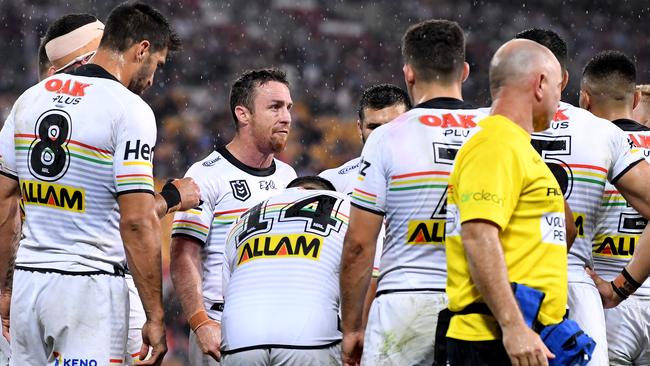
[(519, 60)]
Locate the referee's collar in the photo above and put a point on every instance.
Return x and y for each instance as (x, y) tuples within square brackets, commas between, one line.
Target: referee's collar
[(445, 103), (93, 71), (629, 125)]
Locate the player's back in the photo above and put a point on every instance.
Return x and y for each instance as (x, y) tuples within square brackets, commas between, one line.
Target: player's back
[(403, 174), (80, 141), (584, 152), (281, 271), (619, 226)]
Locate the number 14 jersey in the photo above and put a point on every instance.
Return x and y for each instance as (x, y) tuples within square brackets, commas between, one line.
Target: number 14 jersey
[(403, 175)]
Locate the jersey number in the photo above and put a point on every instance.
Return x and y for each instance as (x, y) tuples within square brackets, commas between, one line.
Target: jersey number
[(550, 148), (443, 154), (48, 154)]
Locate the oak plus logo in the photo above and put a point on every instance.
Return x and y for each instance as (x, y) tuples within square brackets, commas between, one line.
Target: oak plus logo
[(240, 189)]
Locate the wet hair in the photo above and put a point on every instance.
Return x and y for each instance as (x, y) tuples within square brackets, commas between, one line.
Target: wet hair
[(435, 49), (382, 96), (242, 92), (312, 180), (610, 75), (550, 40), (131, 23), (61, 26)]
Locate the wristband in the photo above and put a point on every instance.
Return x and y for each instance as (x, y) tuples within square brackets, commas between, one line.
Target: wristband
[(624, 285), (170, 194), (199, 319)]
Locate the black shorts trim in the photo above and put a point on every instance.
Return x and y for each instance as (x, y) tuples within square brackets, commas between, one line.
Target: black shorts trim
[(190, 237), (136, 191), (379, 213), (621, 174), (118, 271), (413, 290), (9, 175), (283, 346)]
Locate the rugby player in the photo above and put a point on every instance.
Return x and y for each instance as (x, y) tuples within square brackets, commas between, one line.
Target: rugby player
[(584, 152), (379, 104), (232, 179), (607, 90), (70, 173), (280, 276), (641, 112), (402, 176)]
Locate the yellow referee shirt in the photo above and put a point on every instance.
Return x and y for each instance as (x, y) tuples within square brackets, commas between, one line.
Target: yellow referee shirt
[(499, 177)]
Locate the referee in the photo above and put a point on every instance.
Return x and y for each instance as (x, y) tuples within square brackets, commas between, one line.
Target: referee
[(507, 225)]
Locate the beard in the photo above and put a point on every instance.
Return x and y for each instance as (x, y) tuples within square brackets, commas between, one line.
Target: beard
[(278, 143), (140, 81)]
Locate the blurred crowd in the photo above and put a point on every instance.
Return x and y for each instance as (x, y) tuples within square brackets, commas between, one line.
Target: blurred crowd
[(331, 50)]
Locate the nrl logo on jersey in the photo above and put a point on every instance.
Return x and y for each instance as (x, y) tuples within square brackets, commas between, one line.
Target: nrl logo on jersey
[(240, 189)]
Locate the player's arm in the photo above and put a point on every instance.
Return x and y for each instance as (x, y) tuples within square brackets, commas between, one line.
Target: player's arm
[(367, 302), (177, 195), (356, 268), (571, 229), (487, 266), (9, 239), (633, 185)]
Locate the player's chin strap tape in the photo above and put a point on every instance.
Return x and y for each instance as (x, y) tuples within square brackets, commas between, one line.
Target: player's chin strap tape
[(171, 194), (624, 285), (566, 340)]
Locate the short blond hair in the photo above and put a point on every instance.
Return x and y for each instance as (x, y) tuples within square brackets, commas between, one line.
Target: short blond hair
[(644, 89)]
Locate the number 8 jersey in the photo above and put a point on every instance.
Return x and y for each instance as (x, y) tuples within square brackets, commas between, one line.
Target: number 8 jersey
[(405, 166), (75, 142)]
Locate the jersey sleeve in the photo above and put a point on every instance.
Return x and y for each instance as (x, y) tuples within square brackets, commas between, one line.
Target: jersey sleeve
[(8, 148), (195, 223), (488, 182), (624, 155), (133, 157), (369, 192)]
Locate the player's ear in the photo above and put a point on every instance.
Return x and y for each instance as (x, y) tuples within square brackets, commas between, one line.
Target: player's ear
[(637, 99), (565, 79), (243, 114), (360, 128), (409, 74), (585, 100), (541, 82), (141, 50), (50, 71), (465, 71)]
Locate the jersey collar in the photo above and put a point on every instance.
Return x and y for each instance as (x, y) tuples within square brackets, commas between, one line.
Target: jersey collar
[(445, 103), (629, 125), (93, 71), (258, 172)]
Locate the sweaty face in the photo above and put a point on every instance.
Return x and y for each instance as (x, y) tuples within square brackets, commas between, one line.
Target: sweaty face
[(143, 77), (270, 119), (374, 118)]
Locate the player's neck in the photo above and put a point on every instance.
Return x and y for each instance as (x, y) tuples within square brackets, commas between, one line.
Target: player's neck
[(114, 63), (421, 92), (511, 107), (248, 153), (612, 113)]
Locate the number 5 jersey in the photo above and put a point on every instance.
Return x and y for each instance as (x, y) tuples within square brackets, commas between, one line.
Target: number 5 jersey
[(75, 142)]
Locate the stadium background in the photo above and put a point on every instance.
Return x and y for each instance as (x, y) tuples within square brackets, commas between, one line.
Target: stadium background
[(331, 49)]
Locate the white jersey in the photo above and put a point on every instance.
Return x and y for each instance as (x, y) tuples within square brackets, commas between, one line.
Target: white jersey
[(584, 152), (403, 175), (281, 272), (75, 142), (228, 189), (343, 177), (619, 225)]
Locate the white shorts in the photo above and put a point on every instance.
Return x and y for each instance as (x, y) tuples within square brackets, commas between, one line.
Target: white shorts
[(137, 318), (59, 319), (197, 358), (402, 329), (628, 332), (330, 356), (5, 352), (586, 308)]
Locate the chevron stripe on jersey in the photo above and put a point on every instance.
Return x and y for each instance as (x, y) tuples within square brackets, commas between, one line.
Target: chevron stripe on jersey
[(282, 283), (228, 189), (403, 175), (619, 226), (584, 152), (72, 161)]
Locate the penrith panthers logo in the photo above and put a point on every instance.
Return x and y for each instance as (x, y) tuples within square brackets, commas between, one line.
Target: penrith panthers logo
[(240, 189)]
